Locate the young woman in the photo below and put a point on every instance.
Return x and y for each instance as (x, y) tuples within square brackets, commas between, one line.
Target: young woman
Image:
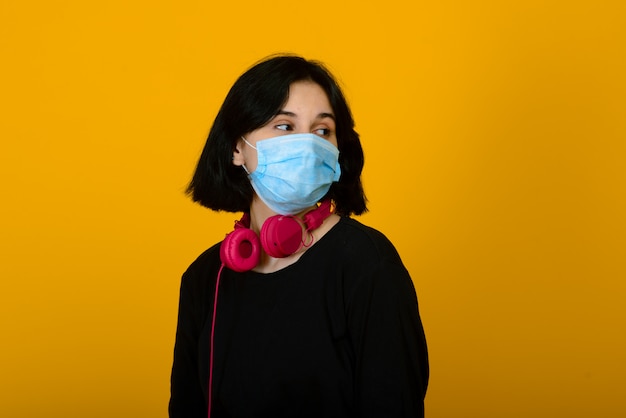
[(301, 311)]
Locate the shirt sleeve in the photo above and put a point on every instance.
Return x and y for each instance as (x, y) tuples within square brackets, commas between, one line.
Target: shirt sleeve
[(391, 359), (187, 399)]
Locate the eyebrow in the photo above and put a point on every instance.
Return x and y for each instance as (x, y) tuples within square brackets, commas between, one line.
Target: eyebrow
[(293, 115)]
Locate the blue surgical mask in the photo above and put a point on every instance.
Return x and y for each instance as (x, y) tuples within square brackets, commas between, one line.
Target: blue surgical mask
[(294, 172)]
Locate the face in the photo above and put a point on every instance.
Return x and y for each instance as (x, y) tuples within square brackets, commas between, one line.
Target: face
[(307, 111)]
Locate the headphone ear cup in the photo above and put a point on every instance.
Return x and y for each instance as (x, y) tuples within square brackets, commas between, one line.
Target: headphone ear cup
[(281, 236), (241, 250)]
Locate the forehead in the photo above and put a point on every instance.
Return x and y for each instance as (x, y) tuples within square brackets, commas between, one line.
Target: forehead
[(307, 94)]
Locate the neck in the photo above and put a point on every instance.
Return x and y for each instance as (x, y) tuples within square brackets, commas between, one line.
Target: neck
[(259, 212)]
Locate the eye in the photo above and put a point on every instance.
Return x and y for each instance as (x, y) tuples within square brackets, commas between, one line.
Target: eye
[(322, 131), (284, 127)]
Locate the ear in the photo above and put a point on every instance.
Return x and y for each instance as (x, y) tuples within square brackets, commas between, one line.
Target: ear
[(238, 158)]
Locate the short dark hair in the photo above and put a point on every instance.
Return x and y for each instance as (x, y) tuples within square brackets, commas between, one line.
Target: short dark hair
[(255, 98)]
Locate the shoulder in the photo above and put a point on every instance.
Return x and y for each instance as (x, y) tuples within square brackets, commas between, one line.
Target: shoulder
[(364, 243), (368, 256), (202, 272), (206, 258), (373, 276), (368, 259)]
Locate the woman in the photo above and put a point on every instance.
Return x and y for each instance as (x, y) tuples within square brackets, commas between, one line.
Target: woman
[(301, 311)]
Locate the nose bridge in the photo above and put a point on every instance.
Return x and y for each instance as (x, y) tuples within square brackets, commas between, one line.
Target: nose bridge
[(303, 126), (302, 130), (305, 119)]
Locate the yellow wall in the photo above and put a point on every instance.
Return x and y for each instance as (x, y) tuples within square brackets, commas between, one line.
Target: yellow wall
[(495, 139)]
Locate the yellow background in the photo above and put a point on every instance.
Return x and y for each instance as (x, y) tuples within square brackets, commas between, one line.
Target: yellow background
[(495, 140)]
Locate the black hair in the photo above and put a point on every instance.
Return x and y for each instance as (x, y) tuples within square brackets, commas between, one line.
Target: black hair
[(255, 98)]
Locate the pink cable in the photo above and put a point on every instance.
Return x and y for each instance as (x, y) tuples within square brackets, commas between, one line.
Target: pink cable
[(217, 285)]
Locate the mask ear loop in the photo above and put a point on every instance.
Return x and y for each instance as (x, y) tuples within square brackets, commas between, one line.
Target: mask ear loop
[(251, 146)]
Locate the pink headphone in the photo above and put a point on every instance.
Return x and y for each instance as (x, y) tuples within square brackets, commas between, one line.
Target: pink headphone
[(280, 236)]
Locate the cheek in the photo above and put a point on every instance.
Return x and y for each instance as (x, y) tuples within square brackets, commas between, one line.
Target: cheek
[(251, 160)]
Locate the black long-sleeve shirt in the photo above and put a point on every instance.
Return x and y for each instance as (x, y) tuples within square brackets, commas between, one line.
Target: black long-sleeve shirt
[(336, 334)]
